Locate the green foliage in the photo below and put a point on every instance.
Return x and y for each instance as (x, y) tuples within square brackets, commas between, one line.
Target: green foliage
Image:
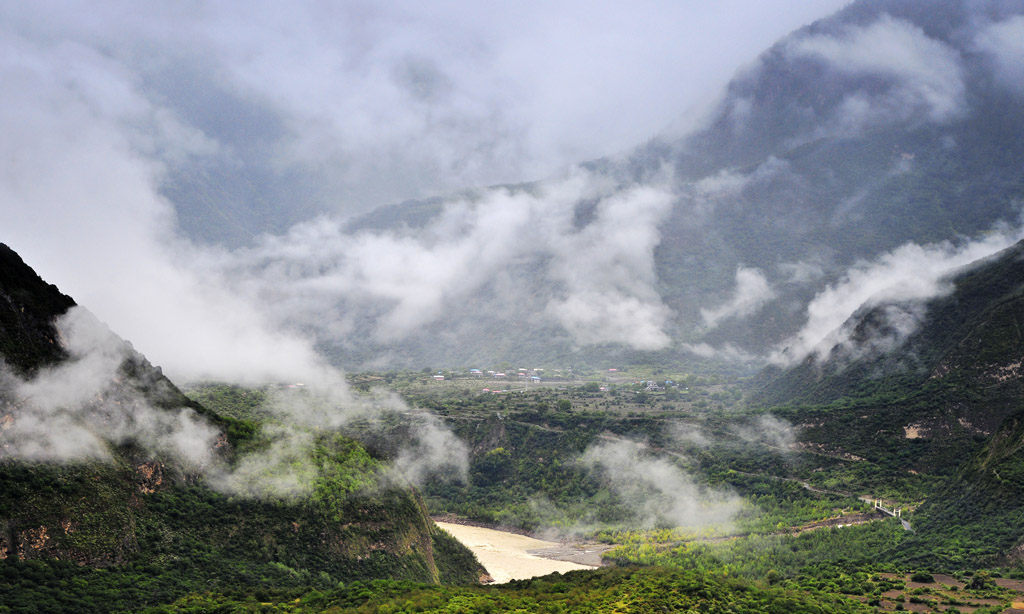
[(810, 555), (177, 535), (603, 591), (974, 519)]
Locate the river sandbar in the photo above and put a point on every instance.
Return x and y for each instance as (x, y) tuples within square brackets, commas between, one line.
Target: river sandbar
[(508, 556)]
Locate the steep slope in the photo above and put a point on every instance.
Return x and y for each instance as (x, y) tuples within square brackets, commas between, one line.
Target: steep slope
[(803, 178), (28, 307), (119, 474)]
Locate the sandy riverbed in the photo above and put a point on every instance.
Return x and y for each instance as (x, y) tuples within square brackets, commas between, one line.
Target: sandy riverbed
[(508, 556)]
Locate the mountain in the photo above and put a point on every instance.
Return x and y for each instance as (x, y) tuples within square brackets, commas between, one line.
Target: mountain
[(968, 339), (109, 481), (886, 123)]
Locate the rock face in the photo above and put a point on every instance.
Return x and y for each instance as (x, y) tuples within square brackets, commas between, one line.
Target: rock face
[(28, 307), (130, 503)]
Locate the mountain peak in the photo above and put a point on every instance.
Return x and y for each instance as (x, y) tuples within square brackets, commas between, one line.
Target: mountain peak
[(28, 308)]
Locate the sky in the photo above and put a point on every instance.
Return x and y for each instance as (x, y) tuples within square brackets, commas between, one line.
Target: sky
[(345, 106)]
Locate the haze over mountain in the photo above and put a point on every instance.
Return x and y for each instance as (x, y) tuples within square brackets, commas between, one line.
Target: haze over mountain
[(887, 123)]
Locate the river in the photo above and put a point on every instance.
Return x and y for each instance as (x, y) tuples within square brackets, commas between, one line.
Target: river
[(510, 556)]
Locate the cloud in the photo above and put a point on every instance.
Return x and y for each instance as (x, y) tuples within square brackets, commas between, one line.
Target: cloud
[(729, 187), (80, 204), (725, 351), (79, 408), (608, 273), (688, 434), (751, 294), (764, 430), (83, 407), (104, 234), (283, 469), (801, 272), (658, 491), (1004, 42), (920, 75), (323, 110), (767, 430), (433, 451), (377, 103), (598, 281), (908, 275)]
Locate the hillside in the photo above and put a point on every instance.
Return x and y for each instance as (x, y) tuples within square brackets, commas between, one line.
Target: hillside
[(926, 400), (28, 307), (976, 518), (605, 591), (923, 398), (119, 475)]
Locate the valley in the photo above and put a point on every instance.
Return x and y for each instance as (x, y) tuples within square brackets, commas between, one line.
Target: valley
[(686, 476), (554, 308), (851, 500)]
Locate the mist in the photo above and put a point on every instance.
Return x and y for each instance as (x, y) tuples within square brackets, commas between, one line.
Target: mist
[(656, 489), (910, 275), (922, 76), (752, 292), (207, 169), (376, 104), (767, 430), (124, 126), (80, 408)]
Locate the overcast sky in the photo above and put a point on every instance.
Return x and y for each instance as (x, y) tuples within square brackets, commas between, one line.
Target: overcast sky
[(400, 99), (102, 101)]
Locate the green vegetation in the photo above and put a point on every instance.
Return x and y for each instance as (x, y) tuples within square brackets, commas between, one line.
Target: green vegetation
[(158, 536), (975, 519), (791, 534), (606, 590)]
